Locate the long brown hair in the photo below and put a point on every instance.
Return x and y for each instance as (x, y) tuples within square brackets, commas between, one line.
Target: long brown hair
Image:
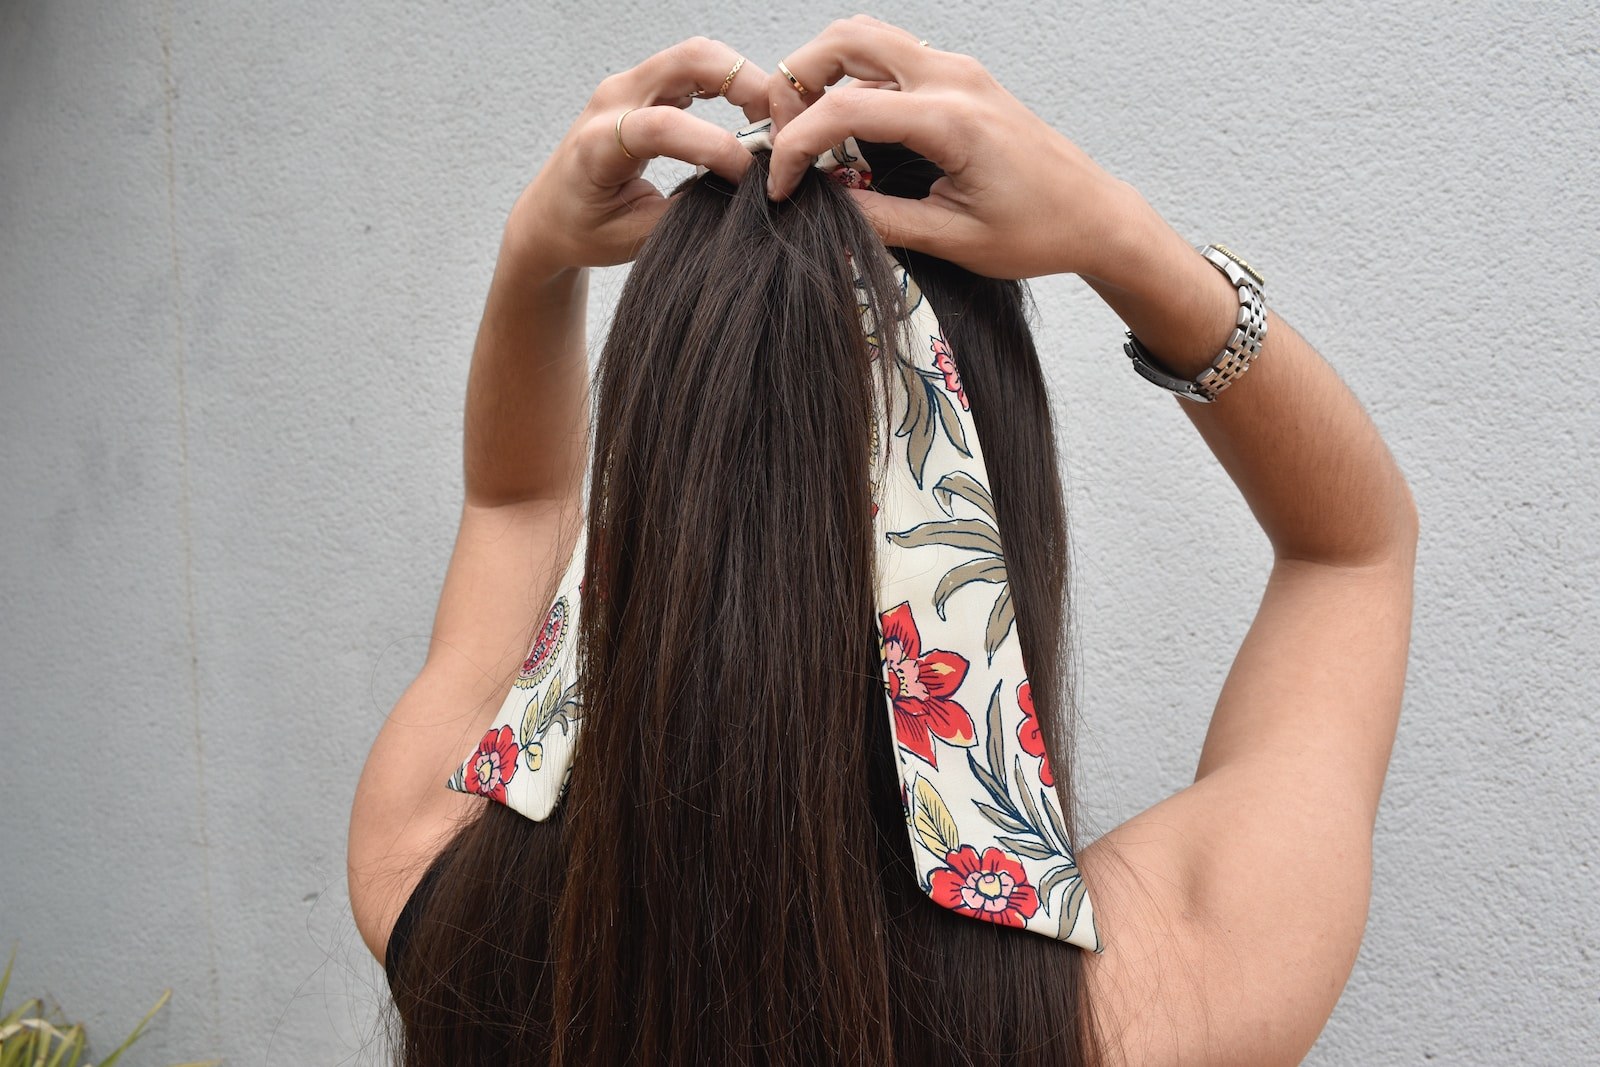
[(728, 878)]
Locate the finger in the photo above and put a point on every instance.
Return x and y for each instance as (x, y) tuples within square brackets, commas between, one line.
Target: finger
[(859, 47), (921, 225), (864, 113), (615, 152), (696, 65)]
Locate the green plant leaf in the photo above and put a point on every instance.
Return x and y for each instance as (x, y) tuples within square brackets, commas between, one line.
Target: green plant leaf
[(138, 1030), (27, 1006), (71, 1040), (963, 485), (988, 569), (1001, 617)]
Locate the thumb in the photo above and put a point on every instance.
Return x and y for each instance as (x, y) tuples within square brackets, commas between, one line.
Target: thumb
[(914, 224)]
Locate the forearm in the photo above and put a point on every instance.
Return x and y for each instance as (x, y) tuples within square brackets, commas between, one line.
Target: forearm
[(1306, 457), (527, 391)]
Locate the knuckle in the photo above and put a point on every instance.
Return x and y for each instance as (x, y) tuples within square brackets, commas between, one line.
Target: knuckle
[(587, 142), (970, 74), (693, 48), (964, 66)]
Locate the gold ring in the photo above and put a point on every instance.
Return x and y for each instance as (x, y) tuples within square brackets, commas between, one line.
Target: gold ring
[(620, 145), (732, 74), (787, 73)]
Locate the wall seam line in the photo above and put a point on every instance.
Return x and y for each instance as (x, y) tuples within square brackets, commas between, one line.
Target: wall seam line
[(185, 513)]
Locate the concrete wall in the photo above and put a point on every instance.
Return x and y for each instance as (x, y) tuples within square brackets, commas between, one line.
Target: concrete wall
[(243, 249)]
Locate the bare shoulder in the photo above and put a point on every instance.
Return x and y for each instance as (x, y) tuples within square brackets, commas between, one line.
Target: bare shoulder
[(498, 586), (1183, 981), (1233, 911), (403, 815)]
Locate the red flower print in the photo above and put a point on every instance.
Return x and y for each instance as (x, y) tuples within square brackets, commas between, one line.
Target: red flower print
[(920, 685), (993, 887), (1028, 733), (493, 765), (946, 365)]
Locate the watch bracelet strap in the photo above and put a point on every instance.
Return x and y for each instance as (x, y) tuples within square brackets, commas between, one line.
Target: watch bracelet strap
[(1238, 352)]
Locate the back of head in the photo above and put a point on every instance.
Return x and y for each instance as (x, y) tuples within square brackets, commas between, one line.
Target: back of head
[(728, 880)]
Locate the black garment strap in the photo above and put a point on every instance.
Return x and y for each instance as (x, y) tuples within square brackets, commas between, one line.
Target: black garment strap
[(407, 919)]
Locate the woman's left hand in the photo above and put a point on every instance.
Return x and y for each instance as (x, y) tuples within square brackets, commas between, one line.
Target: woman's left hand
[(1018, 199)]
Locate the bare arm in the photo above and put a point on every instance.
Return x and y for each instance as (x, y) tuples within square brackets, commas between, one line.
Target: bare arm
[(524, 449), (527, 390), (1296, 442), (1239, 903), (1233, 910), (527, 415)]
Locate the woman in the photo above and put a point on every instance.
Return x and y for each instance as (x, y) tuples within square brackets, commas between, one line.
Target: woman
[(1230, 913)]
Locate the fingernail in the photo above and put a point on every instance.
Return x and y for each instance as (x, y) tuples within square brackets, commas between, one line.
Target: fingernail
[(771, 190)]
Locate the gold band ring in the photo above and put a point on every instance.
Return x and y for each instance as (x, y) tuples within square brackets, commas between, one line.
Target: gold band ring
[(732, 74), (787, 73), (620, 145)]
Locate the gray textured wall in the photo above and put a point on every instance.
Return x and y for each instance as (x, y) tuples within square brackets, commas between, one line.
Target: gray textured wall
[(243, 248)]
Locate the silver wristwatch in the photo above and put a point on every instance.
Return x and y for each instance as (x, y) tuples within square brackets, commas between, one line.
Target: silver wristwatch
[(1242, 346)]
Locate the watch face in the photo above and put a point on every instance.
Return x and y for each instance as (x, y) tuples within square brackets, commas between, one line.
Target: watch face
[(1248, 269)]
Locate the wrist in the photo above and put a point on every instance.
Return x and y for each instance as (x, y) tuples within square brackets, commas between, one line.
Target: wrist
[(1180, 307), (530, 250)]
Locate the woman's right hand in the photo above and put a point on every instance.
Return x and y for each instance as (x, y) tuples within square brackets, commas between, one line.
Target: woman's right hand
[(589, 205), (1018, 199)]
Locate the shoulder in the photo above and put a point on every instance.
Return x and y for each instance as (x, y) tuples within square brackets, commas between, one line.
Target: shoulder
[(393, 843), (1184, 981), (497, 588)]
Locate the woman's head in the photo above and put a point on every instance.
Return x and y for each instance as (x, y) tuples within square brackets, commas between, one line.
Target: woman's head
[(728, 879)]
